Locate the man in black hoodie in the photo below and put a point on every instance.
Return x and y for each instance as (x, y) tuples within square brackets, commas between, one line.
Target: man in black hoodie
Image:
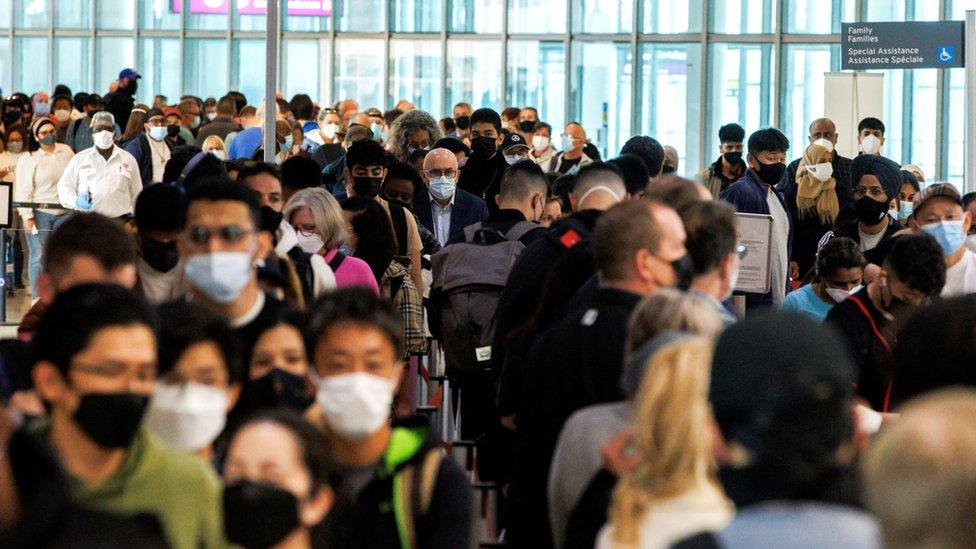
[(395, 488), (482, 174)]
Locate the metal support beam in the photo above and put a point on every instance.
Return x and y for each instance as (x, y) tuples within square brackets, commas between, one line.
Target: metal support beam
[(970, 142), (271, 81)]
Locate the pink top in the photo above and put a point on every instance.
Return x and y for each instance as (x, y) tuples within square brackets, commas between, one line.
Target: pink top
[(353, 272)]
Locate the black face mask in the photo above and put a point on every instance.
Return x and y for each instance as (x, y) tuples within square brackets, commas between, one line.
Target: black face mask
[(131, 88), (897, 307), (400, 203), (526, 125), (280, 389), (161, 256), (771, 174), (11, 118), (259, 515), (684, 272), (172, 130), (463, 122), (367, 187), (733, 158), (111, 420), (483, 147), (869, 211)]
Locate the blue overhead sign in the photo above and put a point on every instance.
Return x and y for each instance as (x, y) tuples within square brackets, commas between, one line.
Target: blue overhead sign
[(908, 45)]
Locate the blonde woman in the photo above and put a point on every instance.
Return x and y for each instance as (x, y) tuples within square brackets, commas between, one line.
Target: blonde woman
[(673, 491), (215, 146), (577, 461)]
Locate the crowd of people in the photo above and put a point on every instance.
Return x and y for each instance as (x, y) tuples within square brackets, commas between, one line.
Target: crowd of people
[(223, 351)]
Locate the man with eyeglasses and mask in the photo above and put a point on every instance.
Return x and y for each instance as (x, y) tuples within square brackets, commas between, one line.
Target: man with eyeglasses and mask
[(913, 272), (103, 179), (220, 246), (756, 193), (876, 180), (444, 209), (94, 364)]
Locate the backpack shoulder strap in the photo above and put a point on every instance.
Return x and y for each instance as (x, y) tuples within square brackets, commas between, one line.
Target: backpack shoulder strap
[(471, 230), (520, 229), (399, 218), (413, 490), (336, 261)]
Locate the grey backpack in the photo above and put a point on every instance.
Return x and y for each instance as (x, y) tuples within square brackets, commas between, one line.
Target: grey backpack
[(468, 279)]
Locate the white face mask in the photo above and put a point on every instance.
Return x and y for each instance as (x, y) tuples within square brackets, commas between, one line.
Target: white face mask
[(310, 244), (839, 294), (187, 416), (540, 143), (825, 143), (355, 405), (103, 139), (329, 130), (62, 115), (221, 155), (821, 172), (871, 145)]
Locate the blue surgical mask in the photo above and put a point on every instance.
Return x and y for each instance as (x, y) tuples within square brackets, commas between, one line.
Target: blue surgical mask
[(41, 109), (289, 142), (221, 276), (949, 234), (378, 133), (158, 133), (347, 250), (566, 142), (441, 187), (905, 210)]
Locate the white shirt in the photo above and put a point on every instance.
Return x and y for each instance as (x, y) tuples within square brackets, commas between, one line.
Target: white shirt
[(160, 287), (113, 184), (160, 156), (780, 256), (961, 277), (870, 241), (442, 219), (37, 178)]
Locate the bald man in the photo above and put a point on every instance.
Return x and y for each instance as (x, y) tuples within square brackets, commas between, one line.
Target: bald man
[(444, 209), (808, 230)]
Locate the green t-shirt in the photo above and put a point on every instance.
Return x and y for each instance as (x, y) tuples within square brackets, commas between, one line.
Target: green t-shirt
[(180, 489)]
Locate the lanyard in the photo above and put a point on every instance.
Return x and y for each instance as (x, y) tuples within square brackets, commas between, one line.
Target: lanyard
[(884, 343)]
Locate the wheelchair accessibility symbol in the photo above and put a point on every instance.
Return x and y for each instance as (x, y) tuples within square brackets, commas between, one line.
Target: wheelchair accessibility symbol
[(947, 54)]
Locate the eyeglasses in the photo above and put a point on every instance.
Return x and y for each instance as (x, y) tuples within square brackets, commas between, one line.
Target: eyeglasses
[(874, 192), (231, 234), (448, 173), (305, 230)]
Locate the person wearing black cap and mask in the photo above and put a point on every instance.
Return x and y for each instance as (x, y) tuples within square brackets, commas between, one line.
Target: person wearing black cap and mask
[(462, 120), (755, 193), (876, 181), (160, 214), (729, 167), (638, 248), (783, 403), (120, 103), (913, 272)]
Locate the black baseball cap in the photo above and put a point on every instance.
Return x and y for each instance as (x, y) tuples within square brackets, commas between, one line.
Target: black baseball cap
[(513, 140)]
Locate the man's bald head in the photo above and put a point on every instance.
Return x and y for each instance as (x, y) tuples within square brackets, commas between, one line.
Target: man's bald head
[(441, 162), (823, 128), (925, 461)]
